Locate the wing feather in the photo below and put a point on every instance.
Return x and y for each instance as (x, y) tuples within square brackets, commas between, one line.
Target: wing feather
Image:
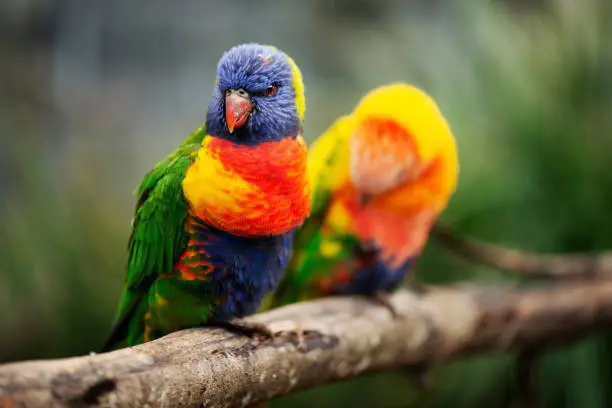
[(157, 239)]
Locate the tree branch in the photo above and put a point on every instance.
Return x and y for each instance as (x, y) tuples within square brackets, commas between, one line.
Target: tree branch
[(345, 337), (566, 266)]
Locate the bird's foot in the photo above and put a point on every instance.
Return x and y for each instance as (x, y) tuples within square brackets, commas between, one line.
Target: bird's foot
[(416, 287), (383, 299), (250, 329)]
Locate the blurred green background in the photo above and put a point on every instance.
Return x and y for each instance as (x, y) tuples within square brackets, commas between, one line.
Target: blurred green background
[(94, 93)]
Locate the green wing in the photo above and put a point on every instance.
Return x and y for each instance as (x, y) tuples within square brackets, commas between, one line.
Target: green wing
[(157, 240), (328, 170)]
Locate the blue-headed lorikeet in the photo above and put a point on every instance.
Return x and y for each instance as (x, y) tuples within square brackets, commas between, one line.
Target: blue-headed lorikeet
[(214, 222)]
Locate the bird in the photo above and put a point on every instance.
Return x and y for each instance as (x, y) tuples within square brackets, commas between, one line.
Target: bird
[(380, 176), (214, 221)]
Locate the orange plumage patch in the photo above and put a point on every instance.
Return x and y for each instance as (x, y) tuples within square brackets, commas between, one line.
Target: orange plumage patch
[(383, 155), (403, 191), (192, 264), (387, 135), (399, 235), (250, 190), (271, 166)]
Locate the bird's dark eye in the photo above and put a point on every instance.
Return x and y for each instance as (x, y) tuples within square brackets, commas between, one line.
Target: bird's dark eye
[(271, 90)]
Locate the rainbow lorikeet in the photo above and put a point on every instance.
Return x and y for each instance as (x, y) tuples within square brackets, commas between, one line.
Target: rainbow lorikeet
[(380, 178), (214, 222)]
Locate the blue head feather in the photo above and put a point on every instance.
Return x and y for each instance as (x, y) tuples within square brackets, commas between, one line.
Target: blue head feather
[(254, 68)]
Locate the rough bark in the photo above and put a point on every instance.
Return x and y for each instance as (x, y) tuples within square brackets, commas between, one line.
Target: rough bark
[(562, 266), (345, 338)]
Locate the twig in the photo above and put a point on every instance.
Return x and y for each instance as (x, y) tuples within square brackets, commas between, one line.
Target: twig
[(566, 266)]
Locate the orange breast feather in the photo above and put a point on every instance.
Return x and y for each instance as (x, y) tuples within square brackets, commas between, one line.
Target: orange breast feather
[(250, 190)]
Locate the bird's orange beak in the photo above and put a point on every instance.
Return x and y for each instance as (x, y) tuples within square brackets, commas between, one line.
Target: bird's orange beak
[(238, 107)]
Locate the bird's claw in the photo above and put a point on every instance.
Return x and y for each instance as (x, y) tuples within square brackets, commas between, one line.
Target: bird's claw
[(382, 299), (250, 329), (415, 286)]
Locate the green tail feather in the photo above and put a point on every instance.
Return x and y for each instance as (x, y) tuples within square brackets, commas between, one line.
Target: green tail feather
[(126, 329)]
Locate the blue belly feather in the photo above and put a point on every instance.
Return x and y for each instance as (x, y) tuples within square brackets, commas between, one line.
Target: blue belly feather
[(244, 271), (374, 277)]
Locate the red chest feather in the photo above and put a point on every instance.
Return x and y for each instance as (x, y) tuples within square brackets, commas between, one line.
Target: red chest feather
[(250, 190), (400, 236)]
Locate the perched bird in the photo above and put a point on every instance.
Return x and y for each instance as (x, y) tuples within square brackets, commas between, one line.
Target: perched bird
[(380, 177), (214, 221)]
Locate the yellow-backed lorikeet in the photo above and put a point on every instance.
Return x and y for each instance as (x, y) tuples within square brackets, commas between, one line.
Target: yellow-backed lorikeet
[(380, 177)]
